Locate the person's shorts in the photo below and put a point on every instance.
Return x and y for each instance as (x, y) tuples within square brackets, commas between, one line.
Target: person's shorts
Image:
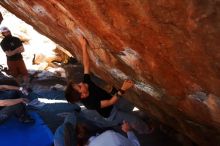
[(17, 68)]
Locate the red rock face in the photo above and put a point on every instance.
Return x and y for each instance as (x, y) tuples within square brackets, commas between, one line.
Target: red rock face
[(170, 48)]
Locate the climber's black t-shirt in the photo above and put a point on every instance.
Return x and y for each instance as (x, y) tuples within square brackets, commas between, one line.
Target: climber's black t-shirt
[(96, 94), (11, 43)]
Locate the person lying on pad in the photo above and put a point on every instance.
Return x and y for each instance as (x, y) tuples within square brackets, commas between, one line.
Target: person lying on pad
[(11, 103), (80, 134), (101, 104), (63, 134)]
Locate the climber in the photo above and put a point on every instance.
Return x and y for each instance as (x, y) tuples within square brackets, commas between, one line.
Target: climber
[(101, 104)]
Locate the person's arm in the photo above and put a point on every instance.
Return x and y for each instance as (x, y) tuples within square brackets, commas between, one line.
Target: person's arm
[(17, 50), (9, 87), (85, 55), (126, 85), (131, 136), (10, 102), (112, 101)]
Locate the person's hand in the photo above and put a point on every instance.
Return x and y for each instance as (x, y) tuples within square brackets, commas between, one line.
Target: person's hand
[(19, 50), (82, 41), (126, 85), (24, 91), (21, 100), (9, 53), (125, 127)]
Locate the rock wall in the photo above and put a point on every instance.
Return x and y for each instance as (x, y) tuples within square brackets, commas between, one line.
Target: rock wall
[(170, 48)]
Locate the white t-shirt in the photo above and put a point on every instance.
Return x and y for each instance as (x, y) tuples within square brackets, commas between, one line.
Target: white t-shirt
[(111, 138)]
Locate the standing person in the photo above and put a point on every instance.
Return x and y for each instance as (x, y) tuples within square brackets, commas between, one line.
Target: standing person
[(12, 46), (101, 104)]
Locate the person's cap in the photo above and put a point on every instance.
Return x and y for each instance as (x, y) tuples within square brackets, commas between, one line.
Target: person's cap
[(4, 29)]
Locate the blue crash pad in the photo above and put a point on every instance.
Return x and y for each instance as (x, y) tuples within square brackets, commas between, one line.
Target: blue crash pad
[(15, 133)]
